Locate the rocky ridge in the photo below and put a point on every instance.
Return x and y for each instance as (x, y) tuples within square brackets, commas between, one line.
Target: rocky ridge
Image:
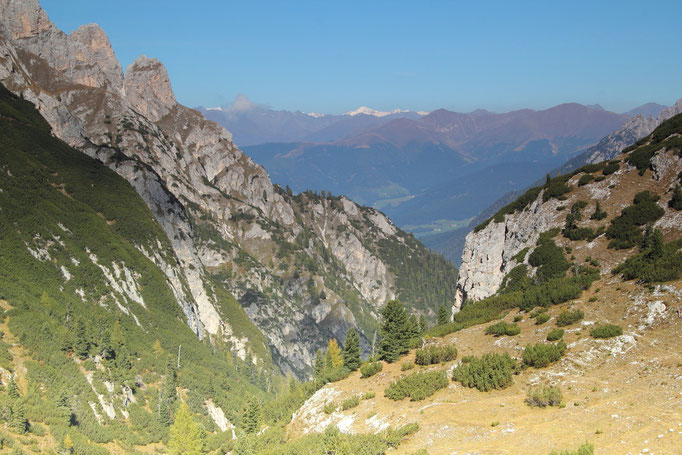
[(303, 267), (610, 146), (494, 248)]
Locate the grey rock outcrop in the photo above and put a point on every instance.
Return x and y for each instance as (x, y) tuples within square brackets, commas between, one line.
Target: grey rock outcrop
[(488, 254), (303, 268)]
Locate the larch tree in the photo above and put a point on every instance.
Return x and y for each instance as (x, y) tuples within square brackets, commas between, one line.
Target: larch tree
[(334, 352), (185, 436)]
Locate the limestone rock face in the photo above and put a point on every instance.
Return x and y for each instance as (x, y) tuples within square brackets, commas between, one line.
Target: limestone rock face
[(304, 268), (488, 254), (148, 88)]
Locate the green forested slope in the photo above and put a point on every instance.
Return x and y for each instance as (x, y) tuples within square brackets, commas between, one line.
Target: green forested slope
[(66, 221)]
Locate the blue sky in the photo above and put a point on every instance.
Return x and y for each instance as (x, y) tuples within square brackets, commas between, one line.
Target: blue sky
[(331, 57)]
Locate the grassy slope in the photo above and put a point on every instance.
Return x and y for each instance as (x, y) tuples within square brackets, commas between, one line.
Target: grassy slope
[(58, 200)]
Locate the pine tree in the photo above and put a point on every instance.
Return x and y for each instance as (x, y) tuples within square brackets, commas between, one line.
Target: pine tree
[(598, 214), (676, 200), (394, 335), (106, 348), (12, 390), (413, 331), (656, 245), (334, 352), (81, 345), (251, 421), (351, 350), (185, 436), (442, 315), (319, 363), (168, 394), (18, 421)]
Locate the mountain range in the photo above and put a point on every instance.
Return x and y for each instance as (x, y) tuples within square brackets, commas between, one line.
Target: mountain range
[(252, 124), (422, 170)]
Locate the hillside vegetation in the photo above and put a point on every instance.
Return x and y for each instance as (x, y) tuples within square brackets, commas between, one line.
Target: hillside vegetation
[(585, 332)]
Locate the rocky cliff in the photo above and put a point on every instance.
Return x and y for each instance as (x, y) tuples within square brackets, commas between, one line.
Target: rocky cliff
[(610, 146), (501, 243), (304, 267)]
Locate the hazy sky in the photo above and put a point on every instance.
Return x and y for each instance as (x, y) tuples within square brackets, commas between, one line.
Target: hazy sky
[(331, 57)]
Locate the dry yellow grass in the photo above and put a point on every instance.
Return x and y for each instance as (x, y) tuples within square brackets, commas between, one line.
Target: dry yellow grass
[(623, 395)]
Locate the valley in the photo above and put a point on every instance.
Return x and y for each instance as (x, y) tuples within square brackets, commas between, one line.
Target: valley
[(170, 286)]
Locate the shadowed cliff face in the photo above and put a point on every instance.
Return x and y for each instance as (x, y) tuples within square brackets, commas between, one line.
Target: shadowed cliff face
[(304, 268)]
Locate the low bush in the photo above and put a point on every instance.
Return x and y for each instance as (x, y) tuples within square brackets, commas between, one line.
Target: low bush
[(417, 386), (585, 179), (556, 188), (543, 396), (567, 317), (654, 264), (488, 372), (435, 354), (516, 280), (625, 230), (330, 408), (555, 335), (542, 318), (552, 292), (610, 168), (548, 257), (503, 328), (676, 200), (350, 403), (540, 355), (406, 366), (368, 395), (370, 369), (606, 331), (585, 449)]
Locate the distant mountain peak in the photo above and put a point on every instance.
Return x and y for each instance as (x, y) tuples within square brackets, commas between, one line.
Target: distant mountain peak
[(647, 110), (369, 111), (240, 104)]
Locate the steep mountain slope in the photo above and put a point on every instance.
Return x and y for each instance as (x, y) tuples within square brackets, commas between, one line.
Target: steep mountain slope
[(92, 332), (492, 250), (305, 268), (406, 164), (579, 260)]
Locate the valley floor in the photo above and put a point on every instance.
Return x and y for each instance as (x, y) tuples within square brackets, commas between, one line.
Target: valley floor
[(623, 395)]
